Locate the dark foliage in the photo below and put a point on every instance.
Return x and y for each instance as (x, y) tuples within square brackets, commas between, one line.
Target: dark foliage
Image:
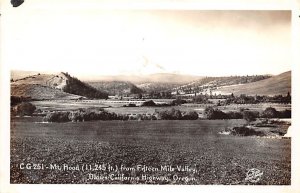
[(234, 115), (271, 112), (83, 115), (130, 105), (192, 115), (211, 113), (14, 100), (149, 103), (75, 86), (245, 131), (178, 102), (24, 108), (250, 116), (171, 114)]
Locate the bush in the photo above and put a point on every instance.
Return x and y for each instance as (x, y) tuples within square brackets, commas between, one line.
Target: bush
[(285, 114), (172, 114), (24, 108), (57, 117), (80, 116), (178, 102), (250, 116), (234, 115), (211, 113), (269, 112), (245, 131), (148, 104), (192, 115)]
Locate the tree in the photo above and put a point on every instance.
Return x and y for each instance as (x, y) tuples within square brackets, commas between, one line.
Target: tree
[(269, 112), (249, 116), (192, 115), (149, 103), (24, 108), (211, 113)]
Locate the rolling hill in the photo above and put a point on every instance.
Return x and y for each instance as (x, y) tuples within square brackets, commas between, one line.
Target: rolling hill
[(276, 85), (210, 85), (116, 87), (53, 86)]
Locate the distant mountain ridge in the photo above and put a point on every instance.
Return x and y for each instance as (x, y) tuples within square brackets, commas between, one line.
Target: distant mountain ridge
[(151, 78)]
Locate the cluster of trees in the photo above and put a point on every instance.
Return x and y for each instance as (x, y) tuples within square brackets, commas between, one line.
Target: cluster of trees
[(242, 99), (89, 115), (159, 94), (270, 112), (273, 113), (246, 131), (14, 100), (175, 102), (23, 108), (75, 86), (174, 114), (83, 115)]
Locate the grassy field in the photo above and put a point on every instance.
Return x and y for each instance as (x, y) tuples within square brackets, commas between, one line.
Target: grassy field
[(72, 105), (212, 158)]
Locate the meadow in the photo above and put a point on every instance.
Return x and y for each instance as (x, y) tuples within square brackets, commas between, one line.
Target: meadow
[(197, 144)]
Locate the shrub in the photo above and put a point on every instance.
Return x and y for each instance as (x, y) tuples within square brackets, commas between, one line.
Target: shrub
[(24, 108), (57, 117), (269, 112), (150, 103), (131, 105), (211, 113), (172, 114), (245, 131), (192, 115), (250, 116), (75, 116), (234, 115), (178, 102), (285, 114)]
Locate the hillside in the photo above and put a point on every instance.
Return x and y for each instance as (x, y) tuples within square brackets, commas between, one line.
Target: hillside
[(39, 92), (210, 85), (116, 87), (279, 84), (75, 86), (157, 87), (53, 86)]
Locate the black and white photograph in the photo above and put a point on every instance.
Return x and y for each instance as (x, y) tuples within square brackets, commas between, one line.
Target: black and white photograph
[(110, 96)]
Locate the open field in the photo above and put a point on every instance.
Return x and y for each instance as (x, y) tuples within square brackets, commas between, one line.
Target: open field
[(212, 158), (67, 105)]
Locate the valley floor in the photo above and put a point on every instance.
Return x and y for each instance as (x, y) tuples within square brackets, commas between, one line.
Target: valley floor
[(115, 152)]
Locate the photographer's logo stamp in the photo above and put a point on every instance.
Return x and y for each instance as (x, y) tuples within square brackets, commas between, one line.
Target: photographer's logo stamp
[(253, 175)]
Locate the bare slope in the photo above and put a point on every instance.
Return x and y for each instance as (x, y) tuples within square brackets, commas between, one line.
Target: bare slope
[(280, 84), (39, 92), (53, 86), (41, 86)]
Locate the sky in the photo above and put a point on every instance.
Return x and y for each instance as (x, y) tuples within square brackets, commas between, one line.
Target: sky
[(87, 40)]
